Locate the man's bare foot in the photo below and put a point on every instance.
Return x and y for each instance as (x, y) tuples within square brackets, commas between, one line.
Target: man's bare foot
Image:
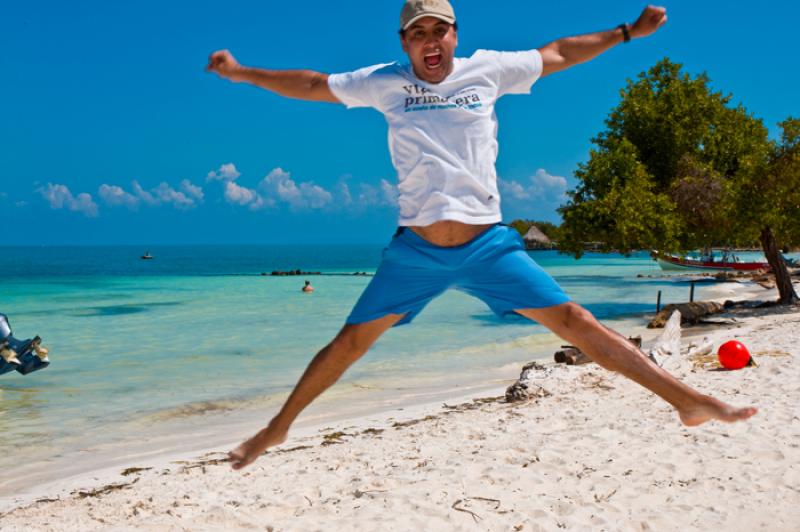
[(247, 453), (710, 409)]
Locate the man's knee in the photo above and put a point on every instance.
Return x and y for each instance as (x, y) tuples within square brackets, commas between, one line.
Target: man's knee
[(350, 340), (576, 316), (357, 338)]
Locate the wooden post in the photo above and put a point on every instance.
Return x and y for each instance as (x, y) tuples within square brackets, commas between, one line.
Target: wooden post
[(658, 302), (691, 293)]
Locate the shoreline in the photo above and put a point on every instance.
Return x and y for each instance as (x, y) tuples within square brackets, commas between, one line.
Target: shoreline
[(196, 426), (198, 433), (557, 461), (309, 427)]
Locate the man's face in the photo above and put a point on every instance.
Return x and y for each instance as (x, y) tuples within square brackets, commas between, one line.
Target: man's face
[(430, 44)]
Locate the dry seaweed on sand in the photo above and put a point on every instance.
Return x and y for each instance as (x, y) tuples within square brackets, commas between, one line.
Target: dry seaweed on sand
[(132, 470), (98, 492), (293, 449), (403, 424), (710, 361), (474, 404), (334, 438)]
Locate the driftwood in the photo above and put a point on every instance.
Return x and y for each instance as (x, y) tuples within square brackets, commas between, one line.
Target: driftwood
[(572, 356), (525, 388), (705, 347), (666, 350), (690, 313)]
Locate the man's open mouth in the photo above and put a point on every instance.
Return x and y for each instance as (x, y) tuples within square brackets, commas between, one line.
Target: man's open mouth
[(433, 60)]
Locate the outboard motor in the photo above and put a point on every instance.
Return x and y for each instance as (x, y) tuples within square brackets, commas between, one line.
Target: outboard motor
[(24, 356)]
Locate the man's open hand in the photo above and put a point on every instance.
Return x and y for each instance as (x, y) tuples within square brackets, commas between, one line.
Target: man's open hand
[(224, 64), (652, 18)]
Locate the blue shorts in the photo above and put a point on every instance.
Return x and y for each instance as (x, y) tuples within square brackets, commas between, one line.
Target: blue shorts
[(494, 267)]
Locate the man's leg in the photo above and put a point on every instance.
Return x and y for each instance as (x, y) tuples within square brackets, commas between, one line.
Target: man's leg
[(579, 327), (324, 370)]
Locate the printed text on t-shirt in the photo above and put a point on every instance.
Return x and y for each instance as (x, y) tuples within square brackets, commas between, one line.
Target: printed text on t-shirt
[(422, 99)]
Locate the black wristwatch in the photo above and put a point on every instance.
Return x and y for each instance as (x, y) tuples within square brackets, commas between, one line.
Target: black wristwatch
[(626, 35)]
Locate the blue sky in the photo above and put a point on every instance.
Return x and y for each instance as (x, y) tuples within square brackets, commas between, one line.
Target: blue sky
[(112, 133)]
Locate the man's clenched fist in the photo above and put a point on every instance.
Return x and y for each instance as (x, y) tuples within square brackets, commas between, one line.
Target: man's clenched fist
[(649, 21), (224, 64)]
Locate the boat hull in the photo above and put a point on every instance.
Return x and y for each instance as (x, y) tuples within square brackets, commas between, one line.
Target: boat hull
[(670, 263)]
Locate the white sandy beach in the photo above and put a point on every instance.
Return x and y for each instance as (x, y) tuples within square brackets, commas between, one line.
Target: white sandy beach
[(599, 453)]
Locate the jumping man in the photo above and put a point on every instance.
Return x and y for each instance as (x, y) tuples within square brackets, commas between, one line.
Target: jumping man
[(443, 143)]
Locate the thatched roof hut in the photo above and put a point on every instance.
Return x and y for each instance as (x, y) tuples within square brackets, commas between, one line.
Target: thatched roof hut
[(535, 239)]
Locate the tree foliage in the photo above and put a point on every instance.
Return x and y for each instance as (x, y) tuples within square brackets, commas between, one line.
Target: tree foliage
[(679, 168), (772, 197)]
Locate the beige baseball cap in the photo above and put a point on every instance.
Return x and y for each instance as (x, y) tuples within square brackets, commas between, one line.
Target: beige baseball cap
[(413, 10)]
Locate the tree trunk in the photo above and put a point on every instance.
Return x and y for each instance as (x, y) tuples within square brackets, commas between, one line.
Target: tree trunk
[(782, 278)]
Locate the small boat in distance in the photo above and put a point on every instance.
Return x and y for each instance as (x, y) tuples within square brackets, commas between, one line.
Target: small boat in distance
[(727, 262), (147, 256)]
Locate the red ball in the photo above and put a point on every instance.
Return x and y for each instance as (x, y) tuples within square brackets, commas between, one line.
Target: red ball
[(733, 355)]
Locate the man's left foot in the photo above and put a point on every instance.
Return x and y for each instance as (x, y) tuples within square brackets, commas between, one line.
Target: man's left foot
[(710, 409)]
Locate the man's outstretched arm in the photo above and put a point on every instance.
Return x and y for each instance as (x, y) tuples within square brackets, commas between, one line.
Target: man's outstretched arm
[(569, 51), (300, 84)]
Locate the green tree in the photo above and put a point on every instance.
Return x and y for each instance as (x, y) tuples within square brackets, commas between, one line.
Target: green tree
[(674, 170), (769, 204)]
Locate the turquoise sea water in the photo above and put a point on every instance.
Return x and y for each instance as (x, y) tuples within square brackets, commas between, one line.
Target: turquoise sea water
[(136, 345)]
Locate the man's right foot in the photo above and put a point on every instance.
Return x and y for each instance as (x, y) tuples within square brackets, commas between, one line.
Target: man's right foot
[(247, 453)]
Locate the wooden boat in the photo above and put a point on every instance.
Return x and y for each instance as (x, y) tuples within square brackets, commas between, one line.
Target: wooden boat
[(727, 262)]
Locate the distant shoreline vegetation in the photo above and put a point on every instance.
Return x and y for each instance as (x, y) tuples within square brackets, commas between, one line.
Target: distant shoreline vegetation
[(532, 232)]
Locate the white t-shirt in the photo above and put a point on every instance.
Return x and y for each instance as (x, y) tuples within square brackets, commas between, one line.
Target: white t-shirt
[(443, 137)]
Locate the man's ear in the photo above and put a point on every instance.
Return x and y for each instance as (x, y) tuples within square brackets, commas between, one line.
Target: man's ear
[(403, 43)]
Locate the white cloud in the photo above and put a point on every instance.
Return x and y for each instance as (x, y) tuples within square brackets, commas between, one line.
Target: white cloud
[(60, 197), (243, 196), (113, 195), (537, 196), (540, 187), (368, 195), (306, 195), (186, 198), (552, 186), (226, 172), (278, 188), (21, 204), (384, 194), (311, 196), (514, 190), (191, 190), (343, 195), (390, 192), (166, 194), (142, 194)]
